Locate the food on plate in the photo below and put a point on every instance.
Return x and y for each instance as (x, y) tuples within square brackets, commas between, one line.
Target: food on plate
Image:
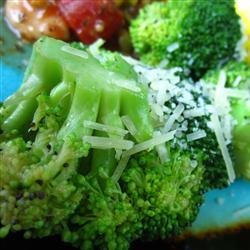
[(102, 149), (196, 35), (31, 19), (237, 81), (90, 19), (84, 20)]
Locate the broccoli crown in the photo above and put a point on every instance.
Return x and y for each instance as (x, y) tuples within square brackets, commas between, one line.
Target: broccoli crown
[(168, 195), (48, 127), (188, 107), (191, 34), (86, 153), (238, 81)]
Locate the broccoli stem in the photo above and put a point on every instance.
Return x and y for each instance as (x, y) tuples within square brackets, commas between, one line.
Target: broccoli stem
[(85, 106), (20, 117), (136, 107), (109, 114), (59, 92)]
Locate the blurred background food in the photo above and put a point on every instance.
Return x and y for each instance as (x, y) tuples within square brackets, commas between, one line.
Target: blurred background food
[(243, 9)]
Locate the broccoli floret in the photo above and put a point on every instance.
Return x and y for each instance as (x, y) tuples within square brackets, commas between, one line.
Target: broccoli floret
[(86, 158), (190, 34), (168, 195), (238, 79), (44, 134)]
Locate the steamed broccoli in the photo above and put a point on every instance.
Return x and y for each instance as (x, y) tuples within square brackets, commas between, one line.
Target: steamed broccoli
[(192, 34), (238, 80), (85, 152)]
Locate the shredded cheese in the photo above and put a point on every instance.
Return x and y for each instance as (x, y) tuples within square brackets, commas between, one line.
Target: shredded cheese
[(105, 128), (120, 168), (128, 123), (161, 149), (237, 93), (196, 135), (176, 113), (196, 112), (149, 144), (223, 147), (73, 51), (107, 143), (124, 83)]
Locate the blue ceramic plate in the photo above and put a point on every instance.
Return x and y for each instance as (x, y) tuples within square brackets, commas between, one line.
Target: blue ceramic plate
[(222, 209)]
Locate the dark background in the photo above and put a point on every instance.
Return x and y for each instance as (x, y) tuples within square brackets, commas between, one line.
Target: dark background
[(239, 240)]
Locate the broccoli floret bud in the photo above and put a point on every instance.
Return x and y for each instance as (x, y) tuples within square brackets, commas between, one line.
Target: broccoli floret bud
[(167, 195), (191, 34)]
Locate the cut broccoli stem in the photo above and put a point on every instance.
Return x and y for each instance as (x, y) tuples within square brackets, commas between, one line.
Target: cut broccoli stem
[(135, 105), (102, 159), (109, 114), (85, 107), (60, 92), (21, 116)]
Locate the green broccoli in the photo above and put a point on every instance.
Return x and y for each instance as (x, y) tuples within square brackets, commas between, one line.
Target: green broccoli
[(85, 152), (168, 195), (44, 134), (191, 34), (238, 81)]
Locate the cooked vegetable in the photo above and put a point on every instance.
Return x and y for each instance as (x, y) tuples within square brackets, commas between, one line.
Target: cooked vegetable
[(237, 81), (92, 148), (90, 19), (31, 19), (191, 34)]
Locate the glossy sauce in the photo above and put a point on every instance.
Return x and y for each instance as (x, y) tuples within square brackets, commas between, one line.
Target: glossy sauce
[(31, 19)]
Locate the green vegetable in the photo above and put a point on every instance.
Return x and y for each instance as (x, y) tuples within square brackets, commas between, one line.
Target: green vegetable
[(190, 34), (67, 164), (238, 79)]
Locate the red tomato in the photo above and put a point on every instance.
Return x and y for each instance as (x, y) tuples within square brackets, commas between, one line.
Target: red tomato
[(92, 19)]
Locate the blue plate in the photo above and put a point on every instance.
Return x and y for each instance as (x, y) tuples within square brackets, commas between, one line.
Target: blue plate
[(222, 209)]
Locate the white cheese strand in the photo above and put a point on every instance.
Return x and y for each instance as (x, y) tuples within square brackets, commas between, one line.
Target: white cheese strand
[(223, 147), (149, 144)]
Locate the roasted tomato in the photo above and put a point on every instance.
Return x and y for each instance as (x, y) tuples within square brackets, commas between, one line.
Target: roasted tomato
[(92, 19)]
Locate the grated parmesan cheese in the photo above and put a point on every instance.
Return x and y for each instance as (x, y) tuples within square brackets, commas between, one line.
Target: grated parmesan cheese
[(149, 144), (161, 149), (120, 168), (73, 51), (172, 47), (196, 112), (196, 135), (128, 123), (176, 114), (124, 83), (105, 128), (237, 93), (107, 143), (237, 81), (223, 147)]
